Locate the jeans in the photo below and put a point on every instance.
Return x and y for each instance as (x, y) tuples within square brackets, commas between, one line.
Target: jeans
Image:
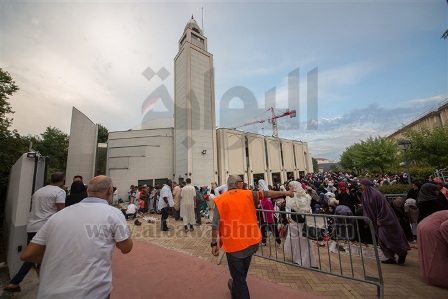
[(163, 219), (238, 268), (26, 266)]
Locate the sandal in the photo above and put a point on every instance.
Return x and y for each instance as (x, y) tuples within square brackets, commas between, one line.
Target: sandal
[(13, 290)]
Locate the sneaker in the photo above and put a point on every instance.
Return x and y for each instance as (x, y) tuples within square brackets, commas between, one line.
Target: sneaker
[(191, 229), (341, 248)]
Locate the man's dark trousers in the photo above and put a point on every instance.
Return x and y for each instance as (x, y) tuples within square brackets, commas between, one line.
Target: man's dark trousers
[(26, 266), (238, 268), (164, 227)]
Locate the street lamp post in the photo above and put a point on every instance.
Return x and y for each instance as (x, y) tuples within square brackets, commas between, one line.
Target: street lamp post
[(404, 145)]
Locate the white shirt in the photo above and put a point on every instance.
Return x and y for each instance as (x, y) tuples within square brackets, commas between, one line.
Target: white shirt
[(221, 189), (131, 209), (79, 243), (43, 206), (165, 192)]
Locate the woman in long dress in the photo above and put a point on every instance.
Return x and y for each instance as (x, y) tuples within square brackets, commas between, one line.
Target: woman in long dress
[(298, 247)]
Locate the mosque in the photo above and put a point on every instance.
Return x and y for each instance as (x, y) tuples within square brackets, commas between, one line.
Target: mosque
[(188, 145)]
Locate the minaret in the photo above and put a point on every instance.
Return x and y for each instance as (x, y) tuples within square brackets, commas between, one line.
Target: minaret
[(194, 109)]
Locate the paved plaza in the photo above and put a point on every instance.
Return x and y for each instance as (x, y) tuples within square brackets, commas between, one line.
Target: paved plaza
[(163, 262)]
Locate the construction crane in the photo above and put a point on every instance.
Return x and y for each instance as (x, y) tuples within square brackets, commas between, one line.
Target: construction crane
[(272, 120)]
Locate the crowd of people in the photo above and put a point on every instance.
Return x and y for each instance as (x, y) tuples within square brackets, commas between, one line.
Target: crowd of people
[(420, 216)]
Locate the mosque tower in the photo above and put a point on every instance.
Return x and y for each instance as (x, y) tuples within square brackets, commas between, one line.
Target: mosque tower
[(195, 153)]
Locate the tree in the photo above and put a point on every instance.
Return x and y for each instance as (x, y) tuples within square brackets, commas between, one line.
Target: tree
[(429, 146), (315, 166), (374, 154), (11, 144), (103, 134), (7, 88), (53, 143)]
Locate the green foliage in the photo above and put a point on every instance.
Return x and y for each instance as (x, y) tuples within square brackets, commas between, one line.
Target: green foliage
[(7, 88), (394, 189), (421, 173), (53, 143), (374, 154), (11, 144), (315, 166), (336, 167), (12, 147), (429, 147), (103, 134)]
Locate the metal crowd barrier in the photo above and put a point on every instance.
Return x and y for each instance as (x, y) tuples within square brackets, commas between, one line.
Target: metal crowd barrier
[(333, 232), (393, 196)]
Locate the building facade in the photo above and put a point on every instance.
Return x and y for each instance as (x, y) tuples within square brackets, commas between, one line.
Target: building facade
[(194, 148)]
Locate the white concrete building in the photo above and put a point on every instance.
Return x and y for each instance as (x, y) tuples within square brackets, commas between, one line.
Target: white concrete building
[(194, 108), (194, 147)]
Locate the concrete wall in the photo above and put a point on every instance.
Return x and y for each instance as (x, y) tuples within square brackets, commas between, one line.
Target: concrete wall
[(18, 206), (289, 164), (256, 148), (231, 154), (139, 155), (82, 147), (275, 167)]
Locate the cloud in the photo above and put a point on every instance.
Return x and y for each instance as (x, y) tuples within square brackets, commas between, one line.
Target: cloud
[(436, 99)]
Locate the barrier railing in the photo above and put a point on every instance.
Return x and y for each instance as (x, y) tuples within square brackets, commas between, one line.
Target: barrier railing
[(393, 196), (341, 241)]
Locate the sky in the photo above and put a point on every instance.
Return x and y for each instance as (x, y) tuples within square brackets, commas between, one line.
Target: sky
[(374, 65)]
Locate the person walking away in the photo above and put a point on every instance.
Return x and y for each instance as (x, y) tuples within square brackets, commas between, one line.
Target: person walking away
[(75, 246), (45, 203), (235, 209)]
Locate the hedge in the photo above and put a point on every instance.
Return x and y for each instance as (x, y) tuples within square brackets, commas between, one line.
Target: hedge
[(394, 189)]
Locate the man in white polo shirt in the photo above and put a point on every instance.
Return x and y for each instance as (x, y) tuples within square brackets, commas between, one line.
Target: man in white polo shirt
[(75, 246), (45, 202)]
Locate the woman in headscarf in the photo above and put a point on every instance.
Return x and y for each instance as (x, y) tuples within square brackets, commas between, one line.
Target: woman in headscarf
[(269, 218), (298, 247), (345, 198), (413, 193), (428, 201), (391, 237), (402, 216), (77, 193), (433, 248)]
